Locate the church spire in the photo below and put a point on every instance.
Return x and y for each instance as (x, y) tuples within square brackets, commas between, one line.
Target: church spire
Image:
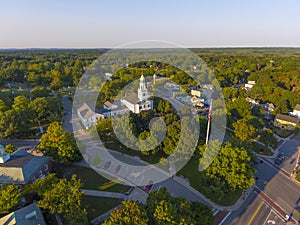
[(143, 93)]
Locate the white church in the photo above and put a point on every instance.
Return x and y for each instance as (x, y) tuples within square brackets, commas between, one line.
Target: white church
[(136, 103)]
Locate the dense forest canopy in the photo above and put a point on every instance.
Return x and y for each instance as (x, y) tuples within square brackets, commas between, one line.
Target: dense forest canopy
[(275, 70)]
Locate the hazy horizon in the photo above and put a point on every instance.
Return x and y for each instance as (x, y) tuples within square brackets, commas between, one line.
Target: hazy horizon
[(108, 24)]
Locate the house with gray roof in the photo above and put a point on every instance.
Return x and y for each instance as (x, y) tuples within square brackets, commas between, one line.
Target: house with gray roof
[(28, 215), (23, 168)]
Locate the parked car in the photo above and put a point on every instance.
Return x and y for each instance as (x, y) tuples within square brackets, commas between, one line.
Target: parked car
[(107, 164), (149, 186), (280, 158)]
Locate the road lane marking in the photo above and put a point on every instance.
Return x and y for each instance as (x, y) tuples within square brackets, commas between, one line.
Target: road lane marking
[(268, 217), (255, 213)]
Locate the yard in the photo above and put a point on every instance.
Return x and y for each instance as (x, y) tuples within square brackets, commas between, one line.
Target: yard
[(283, 133), (92, 180), (99, 205), (258, 148), (205, 185)]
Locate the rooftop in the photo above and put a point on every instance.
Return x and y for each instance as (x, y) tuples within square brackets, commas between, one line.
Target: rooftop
[(132, 98), (287, 118), (29, 215), (21, 167), (297, 107), (85, 111)]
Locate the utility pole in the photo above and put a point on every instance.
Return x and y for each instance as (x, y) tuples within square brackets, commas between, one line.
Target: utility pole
[(208, 123)]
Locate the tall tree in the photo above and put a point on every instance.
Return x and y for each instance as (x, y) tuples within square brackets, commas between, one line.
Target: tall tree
[(129, 213), (59, 144), (162, 208), (232, 167), (61, 196), (10, 197), (244, 130)]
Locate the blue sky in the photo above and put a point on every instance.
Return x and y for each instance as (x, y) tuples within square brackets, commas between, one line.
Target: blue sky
[(109, 23)]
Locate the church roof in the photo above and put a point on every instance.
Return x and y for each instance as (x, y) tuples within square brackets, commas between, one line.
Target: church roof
[(132, 98)]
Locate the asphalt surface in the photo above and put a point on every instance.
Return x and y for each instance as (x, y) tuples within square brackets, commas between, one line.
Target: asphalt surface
[(276, 185), (290, 149), (67, 118), (20, 144)]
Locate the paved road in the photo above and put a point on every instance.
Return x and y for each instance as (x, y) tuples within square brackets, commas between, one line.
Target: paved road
[(67, 124), (290, 148), (279, 188), (258, 213), (19, 143)]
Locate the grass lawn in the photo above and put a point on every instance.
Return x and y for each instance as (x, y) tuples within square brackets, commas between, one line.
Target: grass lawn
[(201, 182), (283, 133), (99, 205), (258, 148), (152, 159), (92, 180)]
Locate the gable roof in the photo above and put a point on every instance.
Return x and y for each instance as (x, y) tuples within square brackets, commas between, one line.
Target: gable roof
[(108, 104), (297, 107), (287, 118), (21, 167), (85, 111), (132, 98), (28, 215)]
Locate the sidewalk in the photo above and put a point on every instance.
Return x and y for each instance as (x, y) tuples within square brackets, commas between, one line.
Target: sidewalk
[(103, 194), (136, 194), (233, 207)]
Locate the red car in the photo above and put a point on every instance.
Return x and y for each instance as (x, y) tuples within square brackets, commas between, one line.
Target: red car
[(149, 186)]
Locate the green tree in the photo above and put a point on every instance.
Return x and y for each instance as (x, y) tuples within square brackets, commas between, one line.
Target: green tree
[(232, 166), (95, 82), (39, 92), (243, 130), (13, 124), (10, 197), (40, 108), (3, 106), (239, 108), (59, 144), (105, 129), (267, 137), (64, 197), (10, 148), (162, 208), (21, 103), (129, 213)]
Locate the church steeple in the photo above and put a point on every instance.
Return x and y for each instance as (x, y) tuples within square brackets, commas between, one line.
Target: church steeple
[(142, 82), (143, 93)]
